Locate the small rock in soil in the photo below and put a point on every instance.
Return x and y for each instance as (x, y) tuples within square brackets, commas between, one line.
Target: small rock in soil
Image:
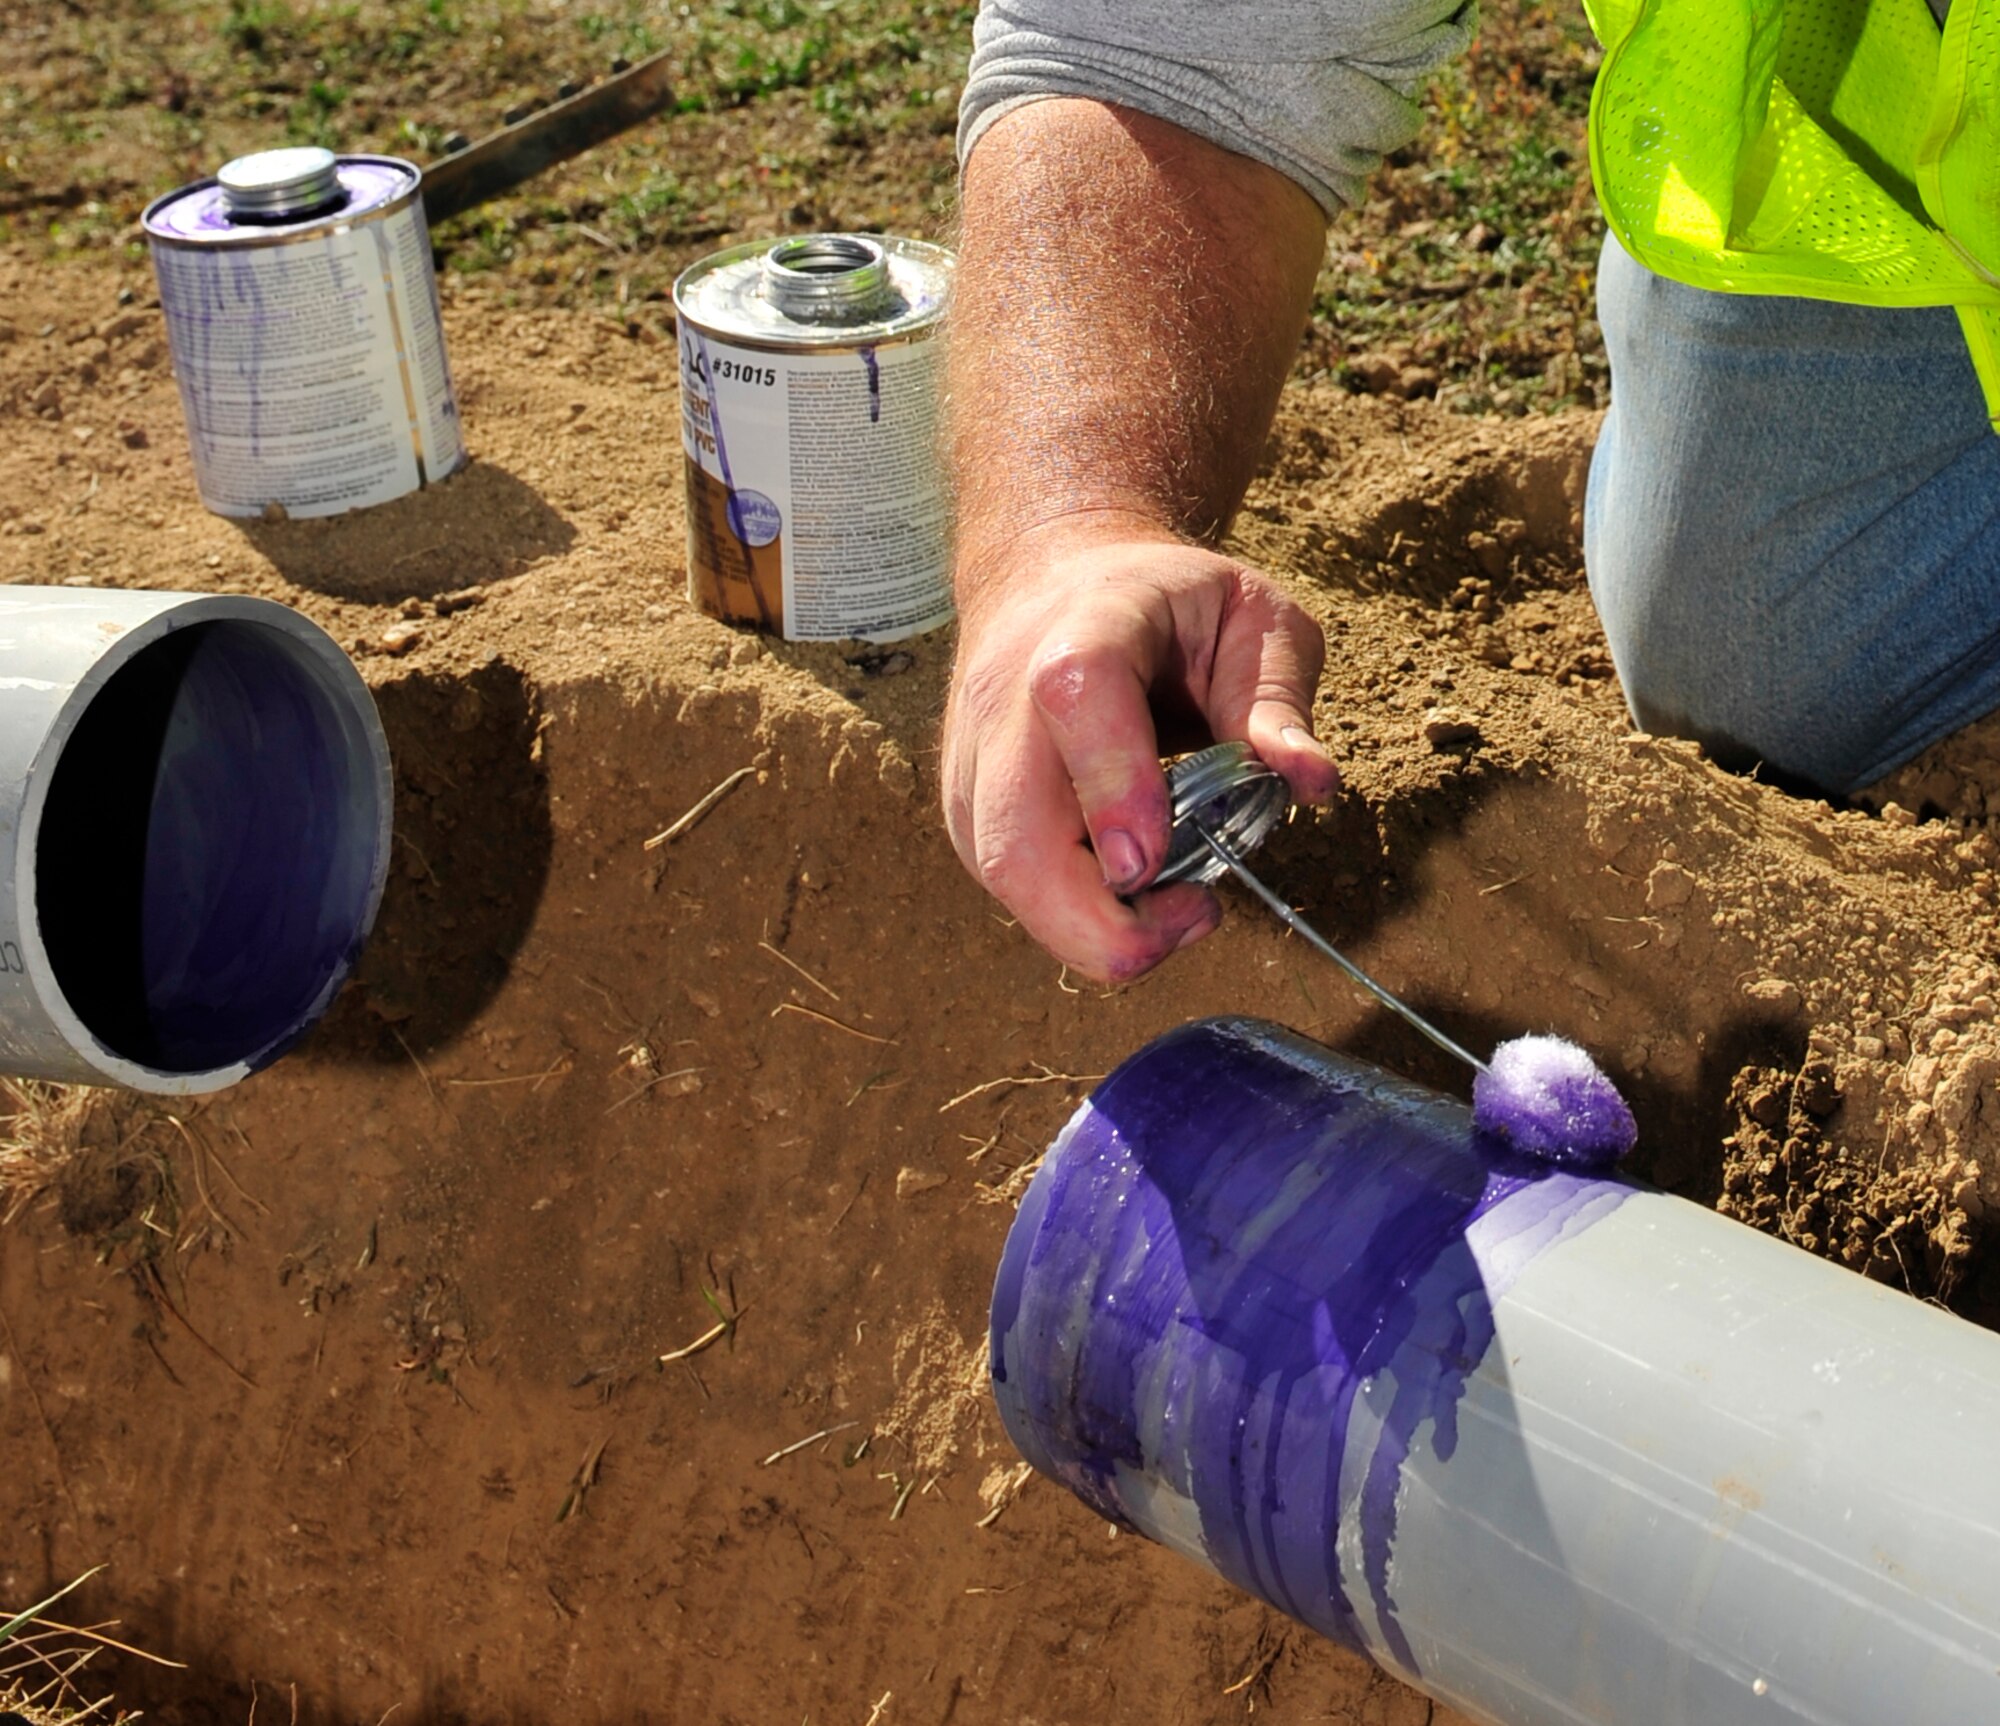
[(1450, 728), (910, 1182), (1668, 885), (1774, 994)]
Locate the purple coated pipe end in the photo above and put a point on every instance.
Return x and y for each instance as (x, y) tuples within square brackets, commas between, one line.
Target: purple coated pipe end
[(1249, 1276)]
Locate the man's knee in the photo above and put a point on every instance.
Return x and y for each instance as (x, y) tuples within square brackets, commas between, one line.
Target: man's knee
[(1709, 639)]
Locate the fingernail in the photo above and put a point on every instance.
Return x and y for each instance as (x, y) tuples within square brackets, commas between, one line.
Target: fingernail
[(1123, 861), (1300, 738), (1318, 787)]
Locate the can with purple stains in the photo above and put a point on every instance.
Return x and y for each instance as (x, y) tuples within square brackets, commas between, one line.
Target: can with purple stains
[(302, 312), (809, 421)]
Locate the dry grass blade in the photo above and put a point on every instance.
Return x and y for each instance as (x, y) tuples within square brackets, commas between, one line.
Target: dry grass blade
[(228, 1174), (1043, 1076), (794, 1448), (668, 834), (828, 1019), (95, 1632), (802, 971), (1007, 1190), (559, 1070), (725, 1326), (423, 1072), (197, 1162), (584, 1480), (708, 1339), (1262, 1659), (146, 1276), (657, 1079), (851, 1203)]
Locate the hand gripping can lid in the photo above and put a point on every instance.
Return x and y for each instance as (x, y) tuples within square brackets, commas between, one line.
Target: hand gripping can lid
[(302, 312), (809, 419)]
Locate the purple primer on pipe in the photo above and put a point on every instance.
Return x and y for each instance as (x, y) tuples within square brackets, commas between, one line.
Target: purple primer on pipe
[(211, 850), (1245, 1279)]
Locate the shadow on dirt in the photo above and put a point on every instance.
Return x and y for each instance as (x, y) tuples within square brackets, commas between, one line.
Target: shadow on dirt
[(471, 858), (900, 684), (479, 525)]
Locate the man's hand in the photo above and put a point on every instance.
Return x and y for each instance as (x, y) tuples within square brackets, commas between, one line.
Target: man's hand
[(1053, 790), (1129, 299)]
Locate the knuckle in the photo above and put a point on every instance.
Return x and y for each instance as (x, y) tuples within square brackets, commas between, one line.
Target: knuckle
[(1061, 674)]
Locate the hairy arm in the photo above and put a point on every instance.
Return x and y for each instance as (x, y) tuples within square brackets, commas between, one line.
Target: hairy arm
[(1128, 302)]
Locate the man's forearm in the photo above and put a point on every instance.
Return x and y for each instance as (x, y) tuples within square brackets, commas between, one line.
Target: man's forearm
[(1129, 301)]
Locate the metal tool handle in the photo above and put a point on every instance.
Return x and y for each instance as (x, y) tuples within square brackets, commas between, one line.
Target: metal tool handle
[(1225, 803), (1299, 926)]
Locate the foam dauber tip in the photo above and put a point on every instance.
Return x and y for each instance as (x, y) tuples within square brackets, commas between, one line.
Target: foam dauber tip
[(1548, 1099)]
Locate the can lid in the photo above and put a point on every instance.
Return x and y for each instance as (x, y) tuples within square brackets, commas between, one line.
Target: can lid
[(1228, 790), (279, 184), (828, 278)]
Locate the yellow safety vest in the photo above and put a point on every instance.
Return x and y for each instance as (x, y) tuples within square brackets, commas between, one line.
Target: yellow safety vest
[(1833, 149)]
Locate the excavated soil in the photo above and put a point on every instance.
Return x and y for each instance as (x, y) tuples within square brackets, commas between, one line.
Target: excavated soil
[(351, 1375)]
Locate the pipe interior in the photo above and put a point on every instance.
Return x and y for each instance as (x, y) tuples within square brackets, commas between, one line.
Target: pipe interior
[(205, 864)]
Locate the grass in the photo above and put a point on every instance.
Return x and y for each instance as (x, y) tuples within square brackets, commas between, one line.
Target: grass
[(1468, 273), (1465, 274), (43, 1131), (41, 1659)]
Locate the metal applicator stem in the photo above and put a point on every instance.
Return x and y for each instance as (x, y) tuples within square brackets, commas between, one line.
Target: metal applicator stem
[(1300, 927)]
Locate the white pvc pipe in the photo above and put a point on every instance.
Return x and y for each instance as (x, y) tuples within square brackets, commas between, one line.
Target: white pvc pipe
[(1558, 1451), (195, 801)]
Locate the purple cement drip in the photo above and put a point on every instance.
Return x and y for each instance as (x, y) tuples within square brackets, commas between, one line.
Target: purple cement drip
[(1548, 1099), (1239, 1237)]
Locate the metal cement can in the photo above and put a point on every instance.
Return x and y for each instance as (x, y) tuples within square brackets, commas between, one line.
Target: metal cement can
[(302, 312), (809, 418)]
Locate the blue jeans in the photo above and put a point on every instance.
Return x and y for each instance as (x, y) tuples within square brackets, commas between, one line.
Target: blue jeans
[(1792, 530)]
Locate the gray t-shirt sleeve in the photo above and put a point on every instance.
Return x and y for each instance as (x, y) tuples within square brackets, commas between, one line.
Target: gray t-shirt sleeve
[(1320, 90)]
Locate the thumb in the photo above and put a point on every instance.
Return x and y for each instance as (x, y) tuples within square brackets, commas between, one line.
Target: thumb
[(1268, 657)]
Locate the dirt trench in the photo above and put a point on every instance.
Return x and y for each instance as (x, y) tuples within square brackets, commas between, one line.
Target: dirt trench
[(353, 1377)]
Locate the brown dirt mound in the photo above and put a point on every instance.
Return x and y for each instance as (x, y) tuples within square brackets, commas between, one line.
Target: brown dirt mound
[(354, 1375)]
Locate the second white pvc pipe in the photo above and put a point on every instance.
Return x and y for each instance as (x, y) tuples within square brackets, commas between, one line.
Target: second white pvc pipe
[(195, 801)]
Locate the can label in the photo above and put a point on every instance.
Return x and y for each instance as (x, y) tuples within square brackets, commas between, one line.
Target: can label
[(313, 373), (815, 506)]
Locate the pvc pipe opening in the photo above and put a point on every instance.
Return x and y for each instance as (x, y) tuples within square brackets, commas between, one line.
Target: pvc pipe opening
[(212, 846)]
